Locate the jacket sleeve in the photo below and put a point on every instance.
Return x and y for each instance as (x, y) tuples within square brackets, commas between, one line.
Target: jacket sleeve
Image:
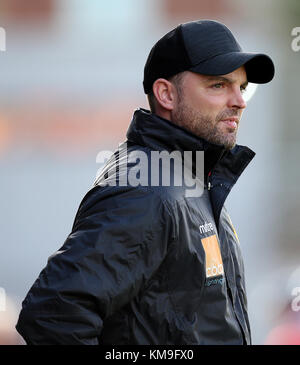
[(118, 240)]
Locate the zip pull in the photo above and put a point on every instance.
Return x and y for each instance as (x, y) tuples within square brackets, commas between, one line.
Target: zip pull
[(208, 182)]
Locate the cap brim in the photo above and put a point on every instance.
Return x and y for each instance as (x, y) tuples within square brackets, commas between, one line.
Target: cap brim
[(259, 67)]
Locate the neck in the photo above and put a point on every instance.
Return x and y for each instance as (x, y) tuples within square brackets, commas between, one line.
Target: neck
[(163, 113)]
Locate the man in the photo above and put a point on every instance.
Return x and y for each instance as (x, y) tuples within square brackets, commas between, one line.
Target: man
[(154, 263)]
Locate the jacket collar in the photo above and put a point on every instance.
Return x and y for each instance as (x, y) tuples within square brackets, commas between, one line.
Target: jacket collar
[(150, 130)]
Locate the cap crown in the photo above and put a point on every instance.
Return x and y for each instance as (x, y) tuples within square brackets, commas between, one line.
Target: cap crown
[(186, 46)]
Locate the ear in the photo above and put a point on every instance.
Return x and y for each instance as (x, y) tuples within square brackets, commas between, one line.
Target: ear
[(164, 93)]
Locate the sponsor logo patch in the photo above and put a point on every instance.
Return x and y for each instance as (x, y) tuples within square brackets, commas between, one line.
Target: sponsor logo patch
[(213, 258)]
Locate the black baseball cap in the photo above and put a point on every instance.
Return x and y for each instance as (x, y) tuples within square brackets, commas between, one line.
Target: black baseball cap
[(206, 47)]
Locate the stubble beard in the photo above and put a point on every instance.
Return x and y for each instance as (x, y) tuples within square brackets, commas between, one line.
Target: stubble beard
[(203, 126)]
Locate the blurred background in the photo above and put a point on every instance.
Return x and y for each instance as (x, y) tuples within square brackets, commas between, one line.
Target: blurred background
[(71, 77)]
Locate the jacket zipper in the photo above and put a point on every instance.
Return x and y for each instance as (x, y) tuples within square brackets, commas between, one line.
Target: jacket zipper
[(209, 186)]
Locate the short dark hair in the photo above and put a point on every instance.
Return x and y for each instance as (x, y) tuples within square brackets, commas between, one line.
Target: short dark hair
[(176, 80)]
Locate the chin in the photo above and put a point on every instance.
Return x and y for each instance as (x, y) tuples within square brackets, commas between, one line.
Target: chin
[(229, 145)]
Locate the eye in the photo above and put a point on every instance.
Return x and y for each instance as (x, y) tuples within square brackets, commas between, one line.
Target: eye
[(243, 89), (218, 85)]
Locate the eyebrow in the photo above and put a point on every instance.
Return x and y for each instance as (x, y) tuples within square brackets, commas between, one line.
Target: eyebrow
[(225, 79)]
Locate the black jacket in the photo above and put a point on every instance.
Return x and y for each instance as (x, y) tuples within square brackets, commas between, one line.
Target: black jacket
[(147, 264)]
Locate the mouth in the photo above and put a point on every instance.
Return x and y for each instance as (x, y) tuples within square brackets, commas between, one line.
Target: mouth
[(231, 122)]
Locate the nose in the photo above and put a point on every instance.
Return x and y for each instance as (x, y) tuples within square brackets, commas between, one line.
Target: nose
[(236, 99)]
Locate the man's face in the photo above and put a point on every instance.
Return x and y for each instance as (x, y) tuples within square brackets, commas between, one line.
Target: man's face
[(211, 106)]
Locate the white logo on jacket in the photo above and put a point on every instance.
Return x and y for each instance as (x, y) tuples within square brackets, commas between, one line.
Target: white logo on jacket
[(206, 227)]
